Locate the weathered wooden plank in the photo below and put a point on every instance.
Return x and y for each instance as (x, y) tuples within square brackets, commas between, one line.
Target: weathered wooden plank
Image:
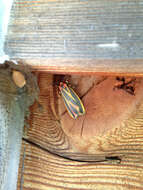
[(41, 170), (14, 103), (112, 125), (88, 66), (95, 32)]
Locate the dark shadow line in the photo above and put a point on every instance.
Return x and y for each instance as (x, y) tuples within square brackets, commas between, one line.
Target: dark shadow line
[(106, 159)]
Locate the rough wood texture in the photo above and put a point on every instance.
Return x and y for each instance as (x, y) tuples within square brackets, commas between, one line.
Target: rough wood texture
[(50, 135), (77, 36), (40, 170), (112, 125), (14, 104)]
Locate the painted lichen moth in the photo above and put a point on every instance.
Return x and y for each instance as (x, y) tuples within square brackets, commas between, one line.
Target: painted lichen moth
[(71, 100)]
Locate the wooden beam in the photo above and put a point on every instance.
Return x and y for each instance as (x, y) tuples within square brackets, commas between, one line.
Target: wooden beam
[(88, 36), (14, 106), (112, 125), (41, 170), (125, 67)]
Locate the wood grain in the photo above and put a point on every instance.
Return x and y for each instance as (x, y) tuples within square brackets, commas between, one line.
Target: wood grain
[(112, 125), (77, 36), (55, 157), (14, 107), (41, 170)]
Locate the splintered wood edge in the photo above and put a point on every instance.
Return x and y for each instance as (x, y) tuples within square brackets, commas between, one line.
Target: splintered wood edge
[(126, 67), (42, 170)]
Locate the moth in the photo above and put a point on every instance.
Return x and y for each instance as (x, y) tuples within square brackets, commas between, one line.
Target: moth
[(71, 100)]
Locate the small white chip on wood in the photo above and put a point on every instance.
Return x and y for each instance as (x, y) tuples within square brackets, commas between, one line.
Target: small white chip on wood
[(18, 78)]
